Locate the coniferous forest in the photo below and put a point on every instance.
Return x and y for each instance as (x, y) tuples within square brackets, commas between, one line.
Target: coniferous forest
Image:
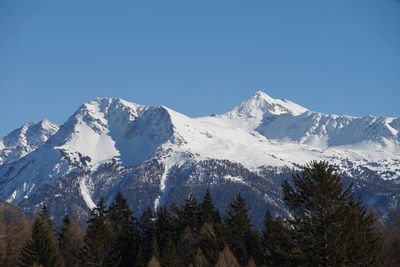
[(328, 226)]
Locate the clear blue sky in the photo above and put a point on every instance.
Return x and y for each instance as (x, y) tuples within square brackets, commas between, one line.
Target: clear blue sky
[(197, 57)]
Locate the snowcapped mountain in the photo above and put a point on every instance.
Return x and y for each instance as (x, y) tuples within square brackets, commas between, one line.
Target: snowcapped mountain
[(155, 155), (25, 139)]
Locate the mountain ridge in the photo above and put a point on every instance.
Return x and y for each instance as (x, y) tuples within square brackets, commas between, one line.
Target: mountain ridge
[(110, 144)]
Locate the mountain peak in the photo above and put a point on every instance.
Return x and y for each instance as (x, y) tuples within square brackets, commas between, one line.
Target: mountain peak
[(263, 102), (25, 139), (45, 124), (261, 105), (262, 95)]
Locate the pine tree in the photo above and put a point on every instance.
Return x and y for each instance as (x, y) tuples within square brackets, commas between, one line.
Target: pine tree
[(97, 245), (189, 215), (166, 236), (242, 240), (210, 242), (124, 231), (41, 248), (277, 242), (140, 260), (187, 247), (391, 245), (331, 229), (148, 235), (164, 227), (70, 241), (169, 257), (365, 243), (209, 214)]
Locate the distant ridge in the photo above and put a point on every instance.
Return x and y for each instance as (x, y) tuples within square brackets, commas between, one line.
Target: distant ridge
[(156, 155)]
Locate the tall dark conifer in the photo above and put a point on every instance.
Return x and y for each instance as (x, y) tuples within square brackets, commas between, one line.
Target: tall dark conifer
[(41, 248), (97, 243), (209, 214), (242, 240), (331, 229), (124, 232), (277, 243), (169, 256), (163, 226), (187, 246), (189, 215), (210, 242), (148, 235)]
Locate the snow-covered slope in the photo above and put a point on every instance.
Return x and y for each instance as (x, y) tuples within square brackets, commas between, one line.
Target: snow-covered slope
[(25, 139), (153, 153)]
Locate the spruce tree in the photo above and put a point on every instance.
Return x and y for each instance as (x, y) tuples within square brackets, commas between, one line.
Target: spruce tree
[(148, 235), (365, 242), (140, 260), (169, 257), (41, 248), (164, 231), (164, 227), (331, 229), (210, 242), (277, 243), (209, 214), (97, 242), (242, 240), (124, 232), (187, 247), (189, 215), (391, 245)]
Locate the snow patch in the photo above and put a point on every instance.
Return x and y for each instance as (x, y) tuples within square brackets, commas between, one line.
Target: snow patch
[(84, 189), (235, 179)]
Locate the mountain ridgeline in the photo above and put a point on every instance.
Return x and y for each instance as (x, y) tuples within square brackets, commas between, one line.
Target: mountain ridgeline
[(156, 156)]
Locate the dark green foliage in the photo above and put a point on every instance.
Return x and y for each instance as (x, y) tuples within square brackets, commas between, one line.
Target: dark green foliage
[(209, 214), (210, 242), (277, 243), (169, 257), (166, 236), (241, 238), (365, 242), (97, 248), (330, 228), (327, 227), (125, 239), (164, 226), (148, 234), (186, 247), (391, 245), (41, 248), (189, 215), (140, 260)]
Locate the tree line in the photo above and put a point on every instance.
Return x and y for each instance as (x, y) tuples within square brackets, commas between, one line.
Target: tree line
[(328, 226)]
